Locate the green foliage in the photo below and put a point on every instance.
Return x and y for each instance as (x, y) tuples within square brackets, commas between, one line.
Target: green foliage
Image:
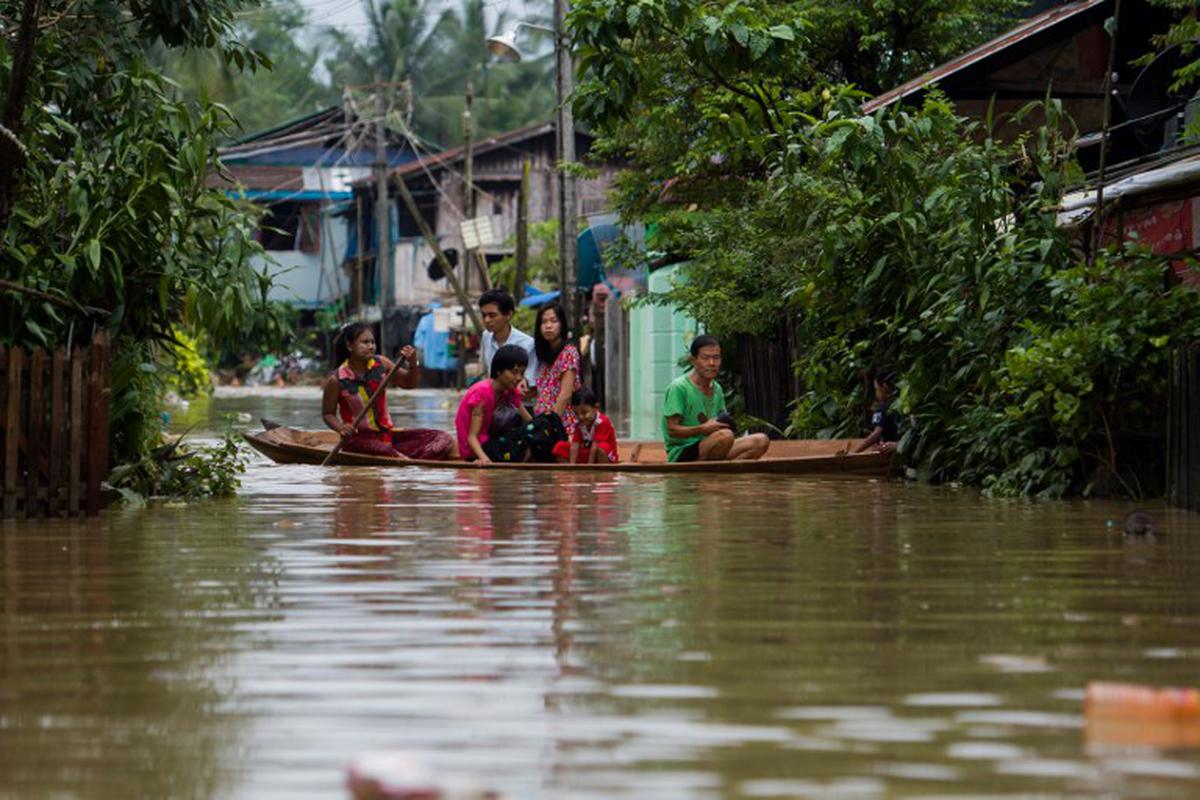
[(259, 98), (111, 212), (189, 374), (1099, 363), (697, 91), (171, 470), (542, 269), (1184, 34), (437, 47), (912, 240)]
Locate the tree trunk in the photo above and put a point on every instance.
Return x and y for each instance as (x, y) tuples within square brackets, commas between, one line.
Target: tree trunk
[(12, 155)]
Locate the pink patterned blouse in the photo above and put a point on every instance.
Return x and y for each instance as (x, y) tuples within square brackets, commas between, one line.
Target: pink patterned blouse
[(550, 380)]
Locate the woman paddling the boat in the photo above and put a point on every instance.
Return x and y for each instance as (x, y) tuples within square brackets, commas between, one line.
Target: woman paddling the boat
[(350, 387)]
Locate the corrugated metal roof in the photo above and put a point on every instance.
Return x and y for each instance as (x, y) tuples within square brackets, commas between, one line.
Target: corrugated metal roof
[(1031, 27), (457, 154), (1078, 206)]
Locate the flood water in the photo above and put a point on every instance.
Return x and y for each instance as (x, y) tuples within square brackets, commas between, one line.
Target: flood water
[(584, 636)]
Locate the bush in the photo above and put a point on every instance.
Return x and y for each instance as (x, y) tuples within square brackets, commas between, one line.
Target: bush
[(915, 241), (172, 470)]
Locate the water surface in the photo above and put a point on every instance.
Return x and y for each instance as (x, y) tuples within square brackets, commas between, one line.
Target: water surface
[(586, 636)]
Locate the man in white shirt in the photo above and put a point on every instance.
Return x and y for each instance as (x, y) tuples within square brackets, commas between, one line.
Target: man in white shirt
[(496, 309)]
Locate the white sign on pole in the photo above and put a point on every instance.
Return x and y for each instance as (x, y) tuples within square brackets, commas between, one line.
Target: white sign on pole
[(477, 233)]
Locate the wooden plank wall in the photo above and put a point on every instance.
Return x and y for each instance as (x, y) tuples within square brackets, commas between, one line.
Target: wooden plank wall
[(53, 430), (1183, 429)]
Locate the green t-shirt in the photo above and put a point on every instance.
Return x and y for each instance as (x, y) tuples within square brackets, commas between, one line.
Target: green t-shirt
[(693, 406)]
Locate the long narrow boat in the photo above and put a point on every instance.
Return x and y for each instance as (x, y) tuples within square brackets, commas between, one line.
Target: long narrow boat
[(286, 445)]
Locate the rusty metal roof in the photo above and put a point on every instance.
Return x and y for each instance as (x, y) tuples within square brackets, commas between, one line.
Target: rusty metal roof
[(1031, 27)]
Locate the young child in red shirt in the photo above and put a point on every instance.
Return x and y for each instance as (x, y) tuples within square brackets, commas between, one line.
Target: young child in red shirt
[(595, 438)]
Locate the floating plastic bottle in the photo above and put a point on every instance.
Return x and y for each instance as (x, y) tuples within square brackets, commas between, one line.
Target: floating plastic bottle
[(1143, 716)]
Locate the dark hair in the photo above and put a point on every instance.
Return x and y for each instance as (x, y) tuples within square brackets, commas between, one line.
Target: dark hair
[(702, 341), (503, 300), (545, 353), (583, 396), (507, 357), (346, 337)]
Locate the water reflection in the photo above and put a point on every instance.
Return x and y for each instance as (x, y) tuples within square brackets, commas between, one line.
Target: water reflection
[(559, 636)]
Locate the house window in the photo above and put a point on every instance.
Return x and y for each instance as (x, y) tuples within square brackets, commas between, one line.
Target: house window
[(427, 204), (291, 225)]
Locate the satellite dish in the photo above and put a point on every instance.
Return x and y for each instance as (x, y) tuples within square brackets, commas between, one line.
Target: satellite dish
[(435, 271), (1151, 93)]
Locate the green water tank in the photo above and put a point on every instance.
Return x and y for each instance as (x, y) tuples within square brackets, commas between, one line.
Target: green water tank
[(658, 337)]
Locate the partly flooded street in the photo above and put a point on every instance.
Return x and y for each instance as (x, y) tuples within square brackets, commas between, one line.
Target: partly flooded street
[(572, 636)]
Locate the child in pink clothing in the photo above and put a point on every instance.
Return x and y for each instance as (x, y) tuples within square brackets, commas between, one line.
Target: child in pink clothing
[(475, 412)]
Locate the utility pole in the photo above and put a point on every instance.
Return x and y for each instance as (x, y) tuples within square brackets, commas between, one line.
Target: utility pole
[(383, 260), (565, 133), (468, 181), (522, 233), (1097, 238)]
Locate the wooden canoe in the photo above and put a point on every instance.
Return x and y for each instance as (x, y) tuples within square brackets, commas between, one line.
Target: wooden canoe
[(285, 445)]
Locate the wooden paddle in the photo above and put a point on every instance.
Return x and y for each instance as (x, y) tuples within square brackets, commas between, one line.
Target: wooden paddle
[(374, 396)]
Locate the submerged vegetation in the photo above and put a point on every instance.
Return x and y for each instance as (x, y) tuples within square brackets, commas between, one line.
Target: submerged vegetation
[(909, 239)]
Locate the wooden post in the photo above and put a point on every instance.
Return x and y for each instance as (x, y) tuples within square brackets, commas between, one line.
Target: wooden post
[(97, 450), (468, 182), (358, 262), (24, 48), (77, 438), (522, 233), (3, 427), (12, 430), (383, 220), (35, 423), (56, 498), (437, 252)]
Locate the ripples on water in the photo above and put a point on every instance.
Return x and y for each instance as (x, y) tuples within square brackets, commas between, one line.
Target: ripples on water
[(607, 637)]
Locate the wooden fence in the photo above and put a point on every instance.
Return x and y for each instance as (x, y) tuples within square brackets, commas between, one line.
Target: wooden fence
[(53, 430)]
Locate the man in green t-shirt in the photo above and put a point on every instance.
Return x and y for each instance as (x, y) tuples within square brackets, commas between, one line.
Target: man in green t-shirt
[(691, 429)]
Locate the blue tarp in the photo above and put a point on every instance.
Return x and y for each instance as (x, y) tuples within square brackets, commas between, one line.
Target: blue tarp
[(300, 194), (538, 299), (434, 346)]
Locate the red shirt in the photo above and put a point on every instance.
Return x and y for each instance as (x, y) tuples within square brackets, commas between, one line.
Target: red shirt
[(601, 434)]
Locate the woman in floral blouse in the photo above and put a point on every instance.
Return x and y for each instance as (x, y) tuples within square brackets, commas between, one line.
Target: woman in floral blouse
[(558, 365)]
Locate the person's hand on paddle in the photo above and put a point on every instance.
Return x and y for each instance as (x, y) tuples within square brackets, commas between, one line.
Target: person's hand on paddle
[(407, 353), (346, 430)]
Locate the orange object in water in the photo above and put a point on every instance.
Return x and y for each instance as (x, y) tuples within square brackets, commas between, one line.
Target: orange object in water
[(1146, 716), (1129, 699)]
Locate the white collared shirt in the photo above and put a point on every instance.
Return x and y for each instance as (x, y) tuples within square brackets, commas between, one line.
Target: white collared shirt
[(488, 347)]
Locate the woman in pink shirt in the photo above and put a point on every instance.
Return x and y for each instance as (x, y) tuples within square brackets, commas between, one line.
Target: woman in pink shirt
[(478, 406)]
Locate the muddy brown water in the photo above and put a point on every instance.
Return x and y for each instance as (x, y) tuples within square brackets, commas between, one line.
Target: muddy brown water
[(623, 636)]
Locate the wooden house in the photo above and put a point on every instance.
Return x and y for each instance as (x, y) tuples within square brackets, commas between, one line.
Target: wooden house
[(437, 183), (1151, 176), (301, 172)]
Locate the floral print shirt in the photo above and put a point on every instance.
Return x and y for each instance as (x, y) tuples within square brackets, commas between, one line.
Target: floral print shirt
[(549, 381)]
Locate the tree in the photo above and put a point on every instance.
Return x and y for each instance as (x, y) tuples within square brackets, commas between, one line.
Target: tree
[(697, 89), (260, 98), (909, 239), (112, 224), (436, 50)]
